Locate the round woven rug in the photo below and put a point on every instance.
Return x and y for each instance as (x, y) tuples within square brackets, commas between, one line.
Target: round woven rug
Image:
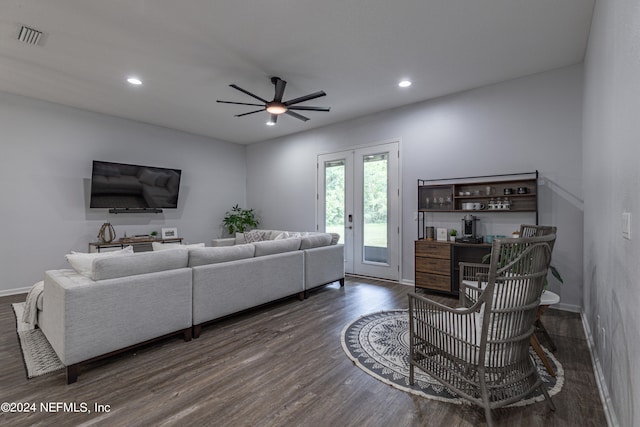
[(378, 343)]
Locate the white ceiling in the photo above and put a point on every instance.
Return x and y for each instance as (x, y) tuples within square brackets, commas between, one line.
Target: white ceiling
[(188, 52)]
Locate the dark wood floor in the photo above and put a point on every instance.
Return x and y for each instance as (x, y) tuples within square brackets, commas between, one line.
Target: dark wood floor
[(282, 365)]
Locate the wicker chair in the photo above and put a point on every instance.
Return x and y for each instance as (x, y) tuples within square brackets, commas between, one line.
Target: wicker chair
[(476, 272), (481, 352)]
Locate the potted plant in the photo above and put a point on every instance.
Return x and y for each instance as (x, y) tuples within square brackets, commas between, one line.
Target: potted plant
[(239, 220), (452, 234), (154, 234)]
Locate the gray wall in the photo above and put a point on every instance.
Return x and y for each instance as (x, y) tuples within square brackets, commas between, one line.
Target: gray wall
[(611, 131), (520, 125), (45, 171)]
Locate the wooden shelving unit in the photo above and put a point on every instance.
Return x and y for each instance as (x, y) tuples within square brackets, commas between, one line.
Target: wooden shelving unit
[(453, 195), (140, 244), (436, 262)]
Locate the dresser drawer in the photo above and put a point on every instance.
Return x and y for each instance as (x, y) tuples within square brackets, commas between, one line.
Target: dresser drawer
[(433, 265), (433, 281), (427, 248)]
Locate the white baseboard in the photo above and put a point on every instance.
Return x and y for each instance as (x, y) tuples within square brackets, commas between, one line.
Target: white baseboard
[(609, 411), (567, 307), (8, 292)]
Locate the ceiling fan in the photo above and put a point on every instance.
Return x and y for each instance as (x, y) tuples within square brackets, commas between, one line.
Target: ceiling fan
[(277, 106)]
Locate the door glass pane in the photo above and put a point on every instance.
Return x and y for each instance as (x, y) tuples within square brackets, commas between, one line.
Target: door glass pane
[(334, 173), (375, 194)]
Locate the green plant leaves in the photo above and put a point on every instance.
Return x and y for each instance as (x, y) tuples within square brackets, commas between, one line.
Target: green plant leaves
[(239, 220)]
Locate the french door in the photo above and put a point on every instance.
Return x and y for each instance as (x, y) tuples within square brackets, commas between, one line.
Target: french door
[(359, 198)]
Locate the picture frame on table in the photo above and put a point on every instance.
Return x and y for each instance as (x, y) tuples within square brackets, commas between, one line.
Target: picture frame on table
[(169, 232), (441, 234)]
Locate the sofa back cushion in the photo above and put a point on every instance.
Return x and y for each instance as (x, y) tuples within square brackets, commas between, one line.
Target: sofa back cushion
[(315, 240), (83, 262), (139, 263), (159, 246), (270, 247), (203, 256)]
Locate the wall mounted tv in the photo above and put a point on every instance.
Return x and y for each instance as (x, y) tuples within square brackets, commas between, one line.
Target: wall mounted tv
[(123, 188)]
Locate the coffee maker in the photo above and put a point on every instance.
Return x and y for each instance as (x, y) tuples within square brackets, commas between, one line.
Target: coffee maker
[(469, 230)]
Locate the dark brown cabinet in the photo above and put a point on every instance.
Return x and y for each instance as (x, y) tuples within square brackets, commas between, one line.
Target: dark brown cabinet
[(437, 263), (433, 265)]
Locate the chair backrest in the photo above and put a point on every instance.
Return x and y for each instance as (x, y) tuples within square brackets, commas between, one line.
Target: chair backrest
[(516, 280), (537, 230)]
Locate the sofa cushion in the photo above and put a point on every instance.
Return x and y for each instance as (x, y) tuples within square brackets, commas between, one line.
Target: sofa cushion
[(335, 238), (139, 263), (289, 235), (315, 241), (159, 246), (273, 234), (203, 256), (83, 262), (270, 247), (256, 236)]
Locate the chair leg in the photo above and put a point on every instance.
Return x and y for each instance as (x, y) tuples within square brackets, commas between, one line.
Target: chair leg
[(488, 416), (547, 397), (410, 373), (543, 357), (540, 327), (486, 402)]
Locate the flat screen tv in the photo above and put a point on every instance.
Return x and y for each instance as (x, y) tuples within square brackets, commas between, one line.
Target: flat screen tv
[(123, 186)]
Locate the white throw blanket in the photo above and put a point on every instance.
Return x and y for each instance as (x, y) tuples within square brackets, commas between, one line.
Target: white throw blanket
[(34, 300)]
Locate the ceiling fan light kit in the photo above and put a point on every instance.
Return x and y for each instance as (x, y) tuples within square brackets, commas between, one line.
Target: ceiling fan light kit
[(276, 106)]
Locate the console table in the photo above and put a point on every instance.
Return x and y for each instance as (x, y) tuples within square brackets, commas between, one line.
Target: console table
[(140, 244)]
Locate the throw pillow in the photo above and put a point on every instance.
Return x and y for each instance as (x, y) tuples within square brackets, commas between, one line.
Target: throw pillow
[(290, 235), (255, 236), (83, 262)]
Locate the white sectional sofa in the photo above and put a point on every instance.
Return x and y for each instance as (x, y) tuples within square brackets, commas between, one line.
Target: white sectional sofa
[(127, 301), (134, 298)]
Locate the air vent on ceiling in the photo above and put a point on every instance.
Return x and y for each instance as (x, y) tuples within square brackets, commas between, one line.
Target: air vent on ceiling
[(30, 36)]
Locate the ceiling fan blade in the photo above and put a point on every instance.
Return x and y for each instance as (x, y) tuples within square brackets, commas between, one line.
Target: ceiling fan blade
[(297, 116), (301, 107), (280, 85), (250, 112), (305, 98), (248, 93), (239, 103)]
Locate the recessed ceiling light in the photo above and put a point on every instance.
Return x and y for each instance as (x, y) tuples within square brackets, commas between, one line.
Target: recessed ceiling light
[(404, 83), (134, 81)]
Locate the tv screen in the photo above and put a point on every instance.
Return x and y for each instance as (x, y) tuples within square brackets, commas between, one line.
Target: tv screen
[(118, 185)]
